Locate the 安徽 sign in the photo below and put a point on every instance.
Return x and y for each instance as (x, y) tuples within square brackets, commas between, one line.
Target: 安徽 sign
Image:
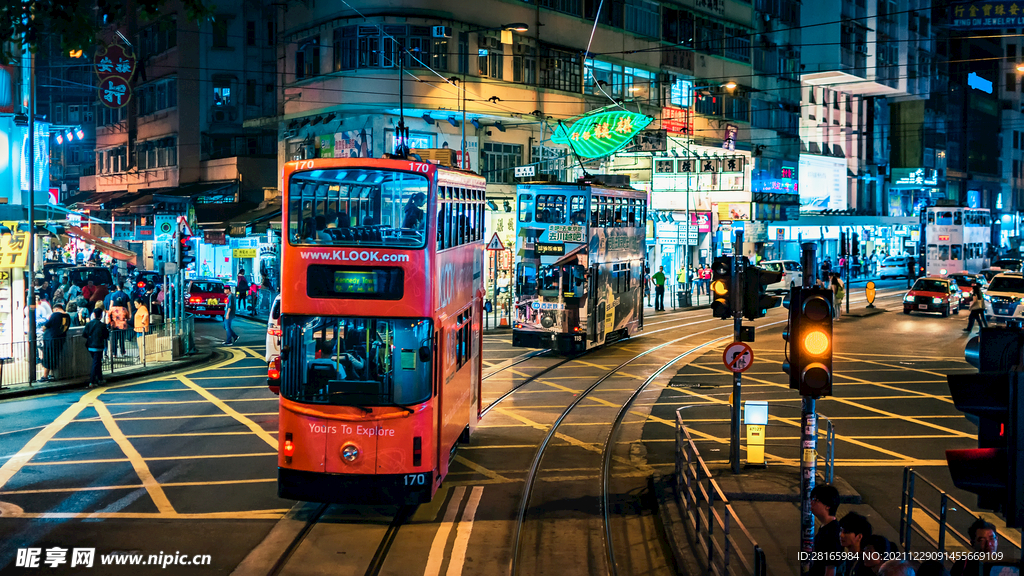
[(114, 66)]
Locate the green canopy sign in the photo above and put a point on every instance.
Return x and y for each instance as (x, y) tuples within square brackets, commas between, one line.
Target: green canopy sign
[(602, 133)]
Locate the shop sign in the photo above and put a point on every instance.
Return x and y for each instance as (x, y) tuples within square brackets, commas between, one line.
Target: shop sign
[(677, 120), (215, 237), (144, 233), (244, 242), (601, 134), (702, 220), (650, 141), (986, 15), (164, 227), (687, 235), (14, 250), (244, 252), (114, 67), (919, 177), (734, 211), (124, 232)]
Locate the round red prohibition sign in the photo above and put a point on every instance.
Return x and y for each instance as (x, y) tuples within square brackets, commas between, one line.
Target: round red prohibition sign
[(738, 357)]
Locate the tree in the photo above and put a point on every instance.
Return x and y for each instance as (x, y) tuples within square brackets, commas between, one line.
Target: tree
[(77, 22)]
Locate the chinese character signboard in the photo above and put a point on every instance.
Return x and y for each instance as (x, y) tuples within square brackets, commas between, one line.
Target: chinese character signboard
[(986, 15), (677, 120), (601, 134), (650, 141), (14, 250), (114, 66), (729, 142)]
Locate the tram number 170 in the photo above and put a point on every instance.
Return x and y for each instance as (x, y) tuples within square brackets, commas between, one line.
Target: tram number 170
[(415, 479)]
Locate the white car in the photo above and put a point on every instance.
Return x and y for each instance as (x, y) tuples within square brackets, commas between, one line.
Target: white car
[(1004, 299), (792, 274), (274, 330), (894, 267)]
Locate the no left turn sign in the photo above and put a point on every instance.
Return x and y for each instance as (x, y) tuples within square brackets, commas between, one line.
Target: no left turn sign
[(738, 357)]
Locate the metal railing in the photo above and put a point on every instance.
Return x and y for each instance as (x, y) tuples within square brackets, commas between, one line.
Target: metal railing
[(709, 514), (935, 523), (68, 358)]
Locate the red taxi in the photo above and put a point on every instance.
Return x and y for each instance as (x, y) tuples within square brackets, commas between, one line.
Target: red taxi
[(933, 295), (966, 282), (206, 298)]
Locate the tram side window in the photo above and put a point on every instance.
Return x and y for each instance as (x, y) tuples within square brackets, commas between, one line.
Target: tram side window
[(595, 203), (525, 215), (463, 340), (933, 252), (526, 278), (956, 252), (943, 252), (440, 225), (578, 210), (550, 208)]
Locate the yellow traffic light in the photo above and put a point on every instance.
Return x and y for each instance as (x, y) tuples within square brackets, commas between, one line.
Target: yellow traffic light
[(719, 288), (816, 342)]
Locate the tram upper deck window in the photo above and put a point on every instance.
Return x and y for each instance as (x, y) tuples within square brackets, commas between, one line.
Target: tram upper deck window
[(930, 215), (550, 208), (525, 202), (357, 207), (958, 218), (956, 252), (943, 252), (353, 361), (944, 218)]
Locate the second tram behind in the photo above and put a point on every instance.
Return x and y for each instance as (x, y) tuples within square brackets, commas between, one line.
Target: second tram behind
[(579, 265)]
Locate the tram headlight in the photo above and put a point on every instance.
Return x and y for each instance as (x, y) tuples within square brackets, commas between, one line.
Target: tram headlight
[(350, 453)]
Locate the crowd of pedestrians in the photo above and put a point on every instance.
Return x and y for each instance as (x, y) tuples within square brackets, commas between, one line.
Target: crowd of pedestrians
[(866, 553)]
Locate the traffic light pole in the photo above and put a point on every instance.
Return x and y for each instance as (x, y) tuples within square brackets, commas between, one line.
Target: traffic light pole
[(808, 434), (738, 269)]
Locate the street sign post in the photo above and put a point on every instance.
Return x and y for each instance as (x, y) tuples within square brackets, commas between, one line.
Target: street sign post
[(738, 357), (495, 246)]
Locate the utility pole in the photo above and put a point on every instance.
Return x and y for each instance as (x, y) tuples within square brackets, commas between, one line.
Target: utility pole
[(738, 270), (808, 431), (32, 219)]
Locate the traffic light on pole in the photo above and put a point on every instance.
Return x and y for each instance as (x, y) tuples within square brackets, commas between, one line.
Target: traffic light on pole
[(756, 301), (809, 338), (184, 249), (993, 399), (721, 287)]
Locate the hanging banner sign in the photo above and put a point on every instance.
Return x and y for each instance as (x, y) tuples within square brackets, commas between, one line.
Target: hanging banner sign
[(164, 227), (601, 134), (14, 250), (114, 93)]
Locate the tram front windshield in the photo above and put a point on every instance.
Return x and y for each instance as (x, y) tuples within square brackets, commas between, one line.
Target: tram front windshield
[(354, 361)]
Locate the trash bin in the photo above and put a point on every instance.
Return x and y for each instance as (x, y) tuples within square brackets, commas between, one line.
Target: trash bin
[(683, 298)]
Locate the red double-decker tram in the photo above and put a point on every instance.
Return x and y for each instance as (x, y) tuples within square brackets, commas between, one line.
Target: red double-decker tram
[(381, 303)]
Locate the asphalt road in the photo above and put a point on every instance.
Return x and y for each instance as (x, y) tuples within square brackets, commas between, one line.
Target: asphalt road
[(185, 463)]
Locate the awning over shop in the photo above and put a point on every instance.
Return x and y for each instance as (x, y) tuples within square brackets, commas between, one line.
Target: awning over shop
[(107, 248)]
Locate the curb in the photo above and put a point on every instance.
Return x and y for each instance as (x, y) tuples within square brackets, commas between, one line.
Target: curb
[(197, 358)]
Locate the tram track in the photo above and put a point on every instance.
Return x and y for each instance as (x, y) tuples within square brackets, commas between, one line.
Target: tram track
[(604, 468)]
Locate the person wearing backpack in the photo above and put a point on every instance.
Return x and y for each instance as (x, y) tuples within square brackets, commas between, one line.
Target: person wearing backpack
[(54, 336), (95, 336)]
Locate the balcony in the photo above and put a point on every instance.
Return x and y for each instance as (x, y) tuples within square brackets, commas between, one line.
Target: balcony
[(221, 114)]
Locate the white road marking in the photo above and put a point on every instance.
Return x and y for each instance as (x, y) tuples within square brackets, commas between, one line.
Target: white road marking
[(462, 534), (436, 556)]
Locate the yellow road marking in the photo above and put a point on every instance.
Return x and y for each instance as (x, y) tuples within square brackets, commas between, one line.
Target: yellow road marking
[(476, 468), (256, 428), (585, 363), (240, 515), (175, 402), (141, 468), (137, 486), (253, 352), (152, 458), (187, 434), (180, 417), (16, 462)]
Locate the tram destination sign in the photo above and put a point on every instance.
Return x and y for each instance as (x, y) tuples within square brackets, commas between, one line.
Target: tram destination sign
[(546, 249), (565, 233)]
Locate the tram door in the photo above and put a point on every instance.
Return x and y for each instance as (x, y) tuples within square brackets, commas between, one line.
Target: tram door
[(592, 304)]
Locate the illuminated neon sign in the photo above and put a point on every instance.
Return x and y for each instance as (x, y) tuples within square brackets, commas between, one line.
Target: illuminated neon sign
[(601, 134)]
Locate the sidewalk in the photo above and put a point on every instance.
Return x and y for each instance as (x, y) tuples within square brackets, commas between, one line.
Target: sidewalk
[(766, 501), (21, 390)]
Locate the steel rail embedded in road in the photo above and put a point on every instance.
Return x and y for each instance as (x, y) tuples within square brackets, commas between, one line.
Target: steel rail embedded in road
[(533, 472), (515, 361), (278, 566)]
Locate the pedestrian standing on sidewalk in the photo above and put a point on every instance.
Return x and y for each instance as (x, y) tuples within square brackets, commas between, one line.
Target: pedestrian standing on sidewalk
[(241, 289), (824, 506), (95, 336), (854, 530), (141, 324), (647, 284), (838, 291), (977, 309), (659, 289), (705, 280), (117, 321), (54, 336), (229, 313)]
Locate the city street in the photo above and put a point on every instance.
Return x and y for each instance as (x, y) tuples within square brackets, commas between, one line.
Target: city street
[(186, 462)]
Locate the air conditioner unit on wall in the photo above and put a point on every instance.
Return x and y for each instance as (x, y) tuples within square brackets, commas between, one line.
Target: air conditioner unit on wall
[(291, 133)]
